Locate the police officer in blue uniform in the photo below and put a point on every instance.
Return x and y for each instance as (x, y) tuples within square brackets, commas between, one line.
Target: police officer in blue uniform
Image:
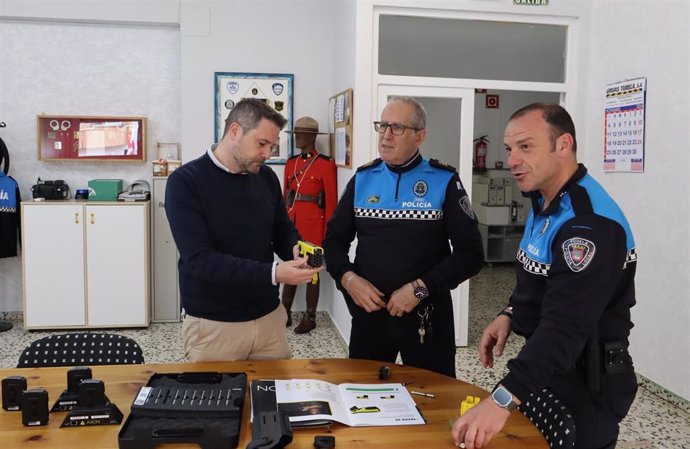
[(575, 287), (403, 209)]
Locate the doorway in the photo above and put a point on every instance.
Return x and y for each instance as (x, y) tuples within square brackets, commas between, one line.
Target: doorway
[(450, 122), (441, 57)]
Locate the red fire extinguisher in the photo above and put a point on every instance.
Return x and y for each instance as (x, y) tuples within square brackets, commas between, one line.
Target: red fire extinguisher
[(480, 146)]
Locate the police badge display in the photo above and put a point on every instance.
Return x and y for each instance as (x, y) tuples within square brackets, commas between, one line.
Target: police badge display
[(274, 89)]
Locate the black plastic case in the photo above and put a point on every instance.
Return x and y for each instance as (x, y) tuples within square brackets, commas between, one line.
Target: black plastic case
[(199, 408)]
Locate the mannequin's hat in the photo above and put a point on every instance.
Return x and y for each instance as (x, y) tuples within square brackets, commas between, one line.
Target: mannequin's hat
[(305, 125)]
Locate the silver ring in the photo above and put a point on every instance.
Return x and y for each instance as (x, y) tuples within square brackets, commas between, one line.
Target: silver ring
[(65, 125)]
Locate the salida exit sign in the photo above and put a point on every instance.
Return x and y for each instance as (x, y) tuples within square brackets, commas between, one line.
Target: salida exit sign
[(530, 2)]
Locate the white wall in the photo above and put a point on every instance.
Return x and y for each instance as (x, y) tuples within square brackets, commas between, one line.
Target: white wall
[(344, 70), (632, 39), (81, 69)]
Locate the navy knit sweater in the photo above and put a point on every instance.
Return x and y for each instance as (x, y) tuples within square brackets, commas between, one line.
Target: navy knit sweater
[(227, 228)]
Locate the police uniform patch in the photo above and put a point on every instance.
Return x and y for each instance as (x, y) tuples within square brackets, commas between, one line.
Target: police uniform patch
[(420, 188), (374, 199), (578, 253), (466, 206)]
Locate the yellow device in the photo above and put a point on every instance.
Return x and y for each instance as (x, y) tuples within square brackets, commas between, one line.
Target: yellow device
[(468, 403), (314, 256)]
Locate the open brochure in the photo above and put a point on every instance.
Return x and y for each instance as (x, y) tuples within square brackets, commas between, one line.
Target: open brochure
[(311, 402)]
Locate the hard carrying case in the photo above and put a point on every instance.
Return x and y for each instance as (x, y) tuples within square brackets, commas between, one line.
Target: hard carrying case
[(202, 408)]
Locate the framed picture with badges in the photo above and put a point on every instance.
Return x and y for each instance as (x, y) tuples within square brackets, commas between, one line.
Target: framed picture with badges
[(273, 88)]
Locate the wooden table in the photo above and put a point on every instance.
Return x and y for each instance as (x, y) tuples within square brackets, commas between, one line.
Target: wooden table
[(122, 382)]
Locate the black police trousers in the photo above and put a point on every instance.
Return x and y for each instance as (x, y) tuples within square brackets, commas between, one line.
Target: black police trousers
[(597, 414), (379, 336)]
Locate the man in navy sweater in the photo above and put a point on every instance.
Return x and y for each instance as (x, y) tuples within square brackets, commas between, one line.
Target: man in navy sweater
[(228, 218)]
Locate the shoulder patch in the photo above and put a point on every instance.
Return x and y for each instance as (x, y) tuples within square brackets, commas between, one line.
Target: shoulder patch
[(578, 253), (442, 165), (328, 158), (371, 164)]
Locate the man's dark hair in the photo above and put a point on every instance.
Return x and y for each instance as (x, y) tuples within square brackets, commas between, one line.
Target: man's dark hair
[(248, 112), (555, 115)]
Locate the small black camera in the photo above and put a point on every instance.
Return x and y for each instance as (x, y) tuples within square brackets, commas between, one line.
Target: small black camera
[(50, 190)]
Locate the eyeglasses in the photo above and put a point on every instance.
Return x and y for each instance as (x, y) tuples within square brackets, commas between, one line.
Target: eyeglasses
[(396, 129)]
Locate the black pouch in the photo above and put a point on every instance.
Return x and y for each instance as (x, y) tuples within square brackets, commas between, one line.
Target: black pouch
[(617, 360), (290, 198)]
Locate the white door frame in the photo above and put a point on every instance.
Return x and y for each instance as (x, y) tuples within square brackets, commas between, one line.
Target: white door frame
[(461, 295), (384, 85)]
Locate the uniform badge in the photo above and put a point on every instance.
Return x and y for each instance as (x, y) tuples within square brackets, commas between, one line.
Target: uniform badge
[(466, 206), (374, 199), (545, 226), (233, 87), (277, 88), (229, 104), (420, 188), (279, 105), (578, 253)]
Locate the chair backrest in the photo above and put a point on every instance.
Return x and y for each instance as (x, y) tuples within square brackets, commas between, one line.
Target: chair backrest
[(82, 348), (551, 417)]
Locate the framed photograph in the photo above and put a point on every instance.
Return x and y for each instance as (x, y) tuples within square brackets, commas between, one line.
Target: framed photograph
[(83, 138), (273, 88)]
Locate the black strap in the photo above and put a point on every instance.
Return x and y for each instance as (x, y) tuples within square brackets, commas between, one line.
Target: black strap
[(301, 170), (4, 156)]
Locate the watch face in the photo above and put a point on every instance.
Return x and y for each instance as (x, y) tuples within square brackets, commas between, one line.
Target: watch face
[(421, 292), (502, 397)]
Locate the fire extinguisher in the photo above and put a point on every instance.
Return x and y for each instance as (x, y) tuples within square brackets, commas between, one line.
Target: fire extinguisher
[(480, 146)]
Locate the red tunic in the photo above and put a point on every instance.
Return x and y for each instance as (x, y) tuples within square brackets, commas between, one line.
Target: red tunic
[(310, 175)]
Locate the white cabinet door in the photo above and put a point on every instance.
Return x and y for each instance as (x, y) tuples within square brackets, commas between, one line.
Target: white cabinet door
[(117, 264), (166, 302), (53, 257)]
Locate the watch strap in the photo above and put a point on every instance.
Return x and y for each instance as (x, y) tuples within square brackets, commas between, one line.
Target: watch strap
[(510, 405), (508, 311)]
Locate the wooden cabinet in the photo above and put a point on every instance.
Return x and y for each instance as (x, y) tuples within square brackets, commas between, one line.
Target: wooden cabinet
[(86, 264)]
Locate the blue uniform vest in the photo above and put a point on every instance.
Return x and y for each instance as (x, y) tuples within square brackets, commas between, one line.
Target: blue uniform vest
[(417, 194)]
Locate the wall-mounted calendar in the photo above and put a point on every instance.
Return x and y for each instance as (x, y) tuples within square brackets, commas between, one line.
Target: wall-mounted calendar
[(624, 109)]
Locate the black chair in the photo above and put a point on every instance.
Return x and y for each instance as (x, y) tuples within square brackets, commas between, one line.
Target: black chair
[(551, 417), (81, 348)]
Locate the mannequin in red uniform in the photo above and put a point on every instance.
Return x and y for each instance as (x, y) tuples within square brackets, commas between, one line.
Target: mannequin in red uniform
[(311, 194)]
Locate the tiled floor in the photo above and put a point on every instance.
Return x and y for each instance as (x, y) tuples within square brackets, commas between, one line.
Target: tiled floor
[(653, 422)]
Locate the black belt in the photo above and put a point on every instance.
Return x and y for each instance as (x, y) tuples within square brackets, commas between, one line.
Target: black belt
[(293, 196), (310, 198)]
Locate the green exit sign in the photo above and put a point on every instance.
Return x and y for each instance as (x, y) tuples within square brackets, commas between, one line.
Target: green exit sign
[(530, 2)]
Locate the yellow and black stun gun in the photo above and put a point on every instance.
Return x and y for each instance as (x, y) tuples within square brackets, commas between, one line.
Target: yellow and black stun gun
[(314, 256)]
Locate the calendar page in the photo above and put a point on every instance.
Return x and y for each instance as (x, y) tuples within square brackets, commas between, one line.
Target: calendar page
[(624, 126)]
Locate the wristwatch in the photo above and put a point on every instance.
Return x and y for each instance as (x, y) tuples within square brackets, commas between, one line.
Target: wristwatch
[(420, 292), (503, 398)]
